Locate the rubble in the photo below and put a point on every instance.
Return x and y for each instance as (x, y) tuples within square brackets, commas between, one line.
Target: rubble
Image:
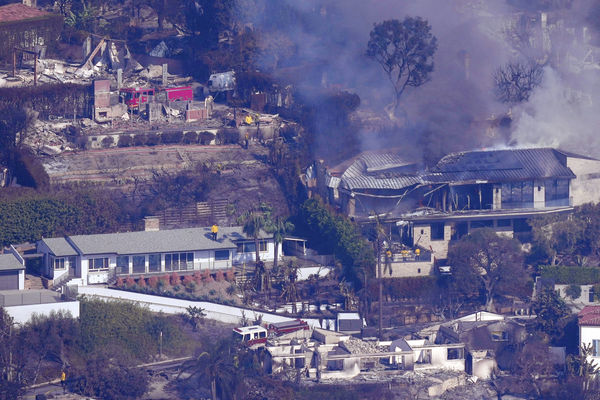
[(357, 346)]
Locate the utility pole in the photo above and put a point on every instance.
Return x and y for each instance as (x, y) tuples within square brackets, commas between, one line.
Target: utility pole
[(160, 337), (380, 284)]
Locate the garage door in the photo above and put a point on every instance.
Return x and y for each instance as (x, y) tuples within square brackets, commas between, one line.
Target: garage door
[(9, 280)]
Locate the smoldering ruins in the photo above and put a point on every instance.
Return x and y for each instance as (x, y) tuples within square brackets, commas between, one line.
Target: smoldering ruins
[(457, 109)]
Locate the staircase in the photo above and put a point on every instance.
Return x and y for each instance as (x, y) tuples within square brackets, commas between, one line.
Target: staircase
[(33, 282)]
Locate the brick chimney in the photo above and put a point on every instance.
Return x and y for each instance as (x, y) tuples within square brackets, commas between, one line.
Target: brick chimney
[(151, 224)]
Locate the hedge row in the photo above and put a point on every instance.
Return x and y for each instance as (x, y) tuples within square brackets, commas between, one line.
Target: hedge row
[(571, 275), (153, 139)]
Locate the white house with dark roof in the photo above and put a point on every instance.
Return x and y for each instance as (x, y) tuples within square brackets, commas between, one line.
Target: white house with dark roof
[(90, 259), (12, 272)]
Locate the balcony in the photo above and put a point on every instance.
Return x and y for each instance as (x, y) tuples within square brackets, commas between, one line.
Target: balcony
[(564, 202), (407, 255)]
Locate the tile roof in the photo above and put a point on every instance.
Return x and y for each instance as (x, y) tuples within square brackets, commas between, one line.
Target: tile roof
[(9, 262), (164, 241), (589, 316), (60, 247), (19, 12)]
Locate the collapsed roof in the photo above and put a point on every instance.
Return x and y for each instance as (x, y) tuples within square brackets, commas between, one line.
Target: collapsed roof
[(391, 172)]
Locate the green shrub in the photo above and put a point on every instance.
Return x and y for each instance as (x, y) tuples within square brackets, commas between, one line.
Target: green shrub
[(152, 139), (190, 138), (571, 275), (206, 137), (125, 324), (172, 137), (330, 232), (139, 140), (125, 141), (573, 291), (107, 141), (190, 287)]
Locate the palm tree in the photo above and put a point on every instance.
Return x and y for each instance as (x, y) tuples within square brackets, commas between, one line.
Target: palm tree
[(254, 223), (217, 364), (279, 229)]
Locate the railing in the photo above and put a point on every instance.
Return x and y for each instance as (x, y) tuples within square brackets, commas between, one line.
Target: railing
[(408, 256), (564, 202), (28, 297), (214, 265)]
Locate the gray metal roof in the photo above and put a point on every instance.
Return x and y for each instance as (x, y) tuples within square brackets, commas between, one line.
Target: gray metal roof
[(159, 241), (371, 171), (60, 247), (501, 165), (9, 262), (389, 172)]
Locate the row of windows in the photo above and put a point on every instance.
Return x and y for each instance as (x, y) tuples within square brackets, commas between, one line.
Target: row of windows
[(173, 262), (98, 264), (250, 247), (61, 263)]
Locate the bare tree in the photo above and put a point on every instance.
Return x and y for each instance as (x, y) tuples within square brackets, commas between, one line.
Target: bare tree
[(405, 52), (514, 82)]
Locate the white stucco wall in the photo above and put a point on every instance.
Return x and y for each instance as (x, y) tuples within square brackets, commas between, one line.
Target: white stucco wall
[(539, 194), (408, 269), (587, 334), (585, 188), (219, 312), (268, 255), (439, 357), (22, 279), (584, 298), (22, 314)]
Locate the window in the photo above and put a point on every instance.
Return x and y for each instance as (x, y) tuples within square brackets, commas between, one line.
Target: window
[(221, 255), (557, 192), (262, 245), (98, 264), (437, 231), (503, 223), (246, 247), (424, 357), (596, 348), (519, 194), (154, 263), (179, 261), (122, 264), (139, 264), (499, 336), (58, 263), (455, 354), (250, 247)]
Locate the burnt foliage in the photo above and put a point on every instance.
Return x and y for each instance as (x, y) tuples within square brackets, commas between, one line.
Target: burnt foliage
[(60, 100), (45, 29)]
